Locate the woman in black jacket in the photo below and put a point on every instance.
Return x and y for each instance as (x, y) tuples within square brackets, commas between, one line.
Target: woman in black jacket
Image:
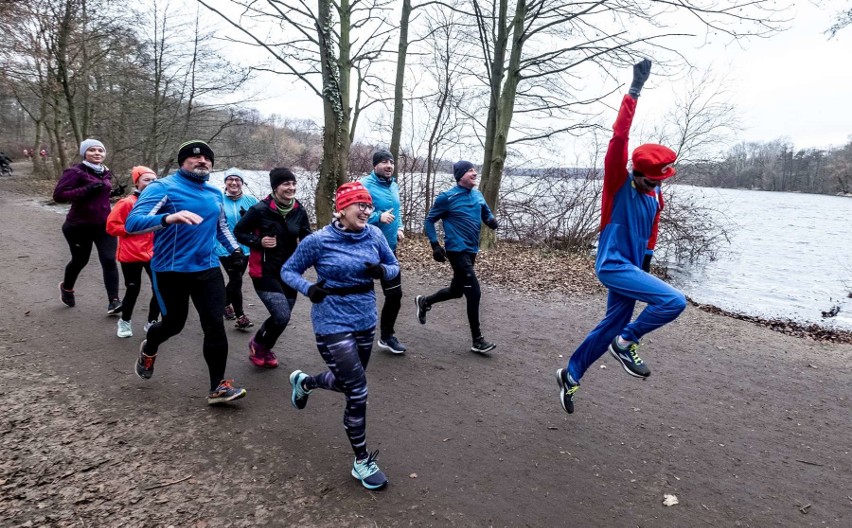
[(272, 229)]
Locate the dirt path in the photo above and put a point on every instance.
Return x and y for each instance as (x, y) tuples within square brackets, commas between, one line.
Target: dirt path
[(745, 426)]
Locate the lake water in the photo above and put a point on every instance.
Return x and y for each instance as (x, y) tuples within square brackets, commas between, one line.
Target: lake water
[(789, 255)]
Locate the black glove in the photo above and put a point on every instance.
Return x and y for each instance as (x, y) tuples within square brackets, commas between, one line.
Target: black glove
[(242, 211), (492, 223), (235, 261), (375, 271), (646, 263), (438, 252), (118, 191), (316, 293), (641, 72), (92, 188)]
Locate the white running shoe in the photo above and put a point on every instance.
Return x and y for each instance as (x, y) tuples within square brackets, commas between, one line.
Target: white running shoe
[(124, 329)]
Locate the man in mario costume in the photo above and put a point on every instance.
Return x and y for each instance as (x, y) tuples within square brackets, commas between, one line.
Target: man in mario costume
[(630, 214)]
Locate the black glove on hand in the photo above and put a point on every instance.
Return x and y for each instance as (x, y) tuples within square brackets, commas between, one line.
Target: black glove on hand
[(235, 261), (92, 188), (438, 252), (492, 223), (375, 271), (118, 191), (646, 263), (641, 72), (316, 293)]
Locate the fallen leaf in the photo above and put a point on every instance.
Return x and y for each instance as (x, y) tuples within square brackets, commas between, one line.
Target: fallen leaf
[(670, 500), (413, 475)]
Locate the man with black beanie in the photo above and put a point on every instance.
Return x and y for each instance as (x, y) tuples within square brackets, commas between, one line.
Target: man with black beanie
[(462, 210), (186, 215), (384, 189)]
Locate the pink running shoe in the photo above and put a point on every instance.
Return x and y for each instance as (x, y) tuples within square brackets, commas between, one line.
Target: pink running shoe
[(271, 360), (258, 353)]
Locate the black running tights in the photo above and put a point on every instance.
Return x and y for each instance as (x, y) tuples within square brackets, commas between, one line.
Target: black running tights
[(80, 240), (234, 289), (132, 272), (207, 291), (465, 283)]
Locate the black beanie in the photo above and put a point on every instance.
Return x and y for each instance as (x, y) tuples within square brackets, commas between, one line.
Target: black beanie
[(279, 175), (381, 155), (460, 168), (193, 148)]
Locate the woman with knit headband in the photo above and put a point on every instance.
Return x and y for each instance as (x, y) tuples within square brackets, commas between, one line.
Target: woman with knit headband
[(348, 255), (88, 187)]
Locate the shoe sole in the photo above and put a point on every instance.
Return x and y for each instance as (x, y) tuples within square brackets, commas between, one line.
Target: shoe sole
[(369, 486), (116, 311), (384, 346), (561, 383), (482, 350), (237, 396), (417, 304), (624, 365), (124, 336)]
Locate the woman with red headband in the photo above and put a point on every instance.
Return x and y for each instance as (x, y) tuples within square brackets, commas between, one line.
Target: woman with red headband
[(630, 215), (348, 255)]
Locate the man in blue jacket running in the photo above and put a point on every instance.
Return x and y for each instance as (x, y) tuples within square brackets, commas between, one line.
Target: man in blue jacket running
[(187, 217), (384, 189), (462, 210)]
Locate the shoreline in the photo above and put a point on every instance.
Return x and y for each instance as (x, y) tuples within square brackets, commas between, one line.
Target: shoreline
[(528, 271)]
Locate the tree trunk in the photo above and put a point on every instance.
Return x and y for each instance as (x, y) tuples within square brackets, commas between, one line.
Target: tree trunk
[(398, 103)]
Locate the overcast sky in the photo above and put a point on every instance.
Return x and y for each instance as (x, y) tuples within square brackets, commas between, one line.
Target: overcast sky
[(795, 84)]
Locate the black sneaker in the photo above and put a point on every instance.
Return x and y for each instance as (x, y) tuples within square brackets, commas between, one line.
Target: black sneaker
[(422, 308), (481, 346), (567, 388), (145, 363), (114, 307), (392, 344), (66, 296), (629, 359), (243, 323)]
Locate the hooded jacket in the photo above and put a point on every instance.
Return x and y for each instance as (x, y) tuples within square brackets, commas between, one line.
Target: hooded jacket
[(385, 193), (234, 210)]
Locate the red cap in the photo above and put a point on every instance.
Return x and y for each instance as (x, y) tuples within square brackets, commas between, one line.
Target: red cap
[(654, 161), (138, 171), (350, 193)]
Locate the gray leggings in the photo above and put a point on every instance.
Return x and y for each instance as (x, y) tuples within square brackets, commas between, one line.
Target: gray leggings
[(280, 305)]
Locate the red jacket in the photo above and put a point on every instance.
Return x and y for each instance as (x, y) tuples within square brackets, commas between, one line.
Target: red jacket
[(131, 248)]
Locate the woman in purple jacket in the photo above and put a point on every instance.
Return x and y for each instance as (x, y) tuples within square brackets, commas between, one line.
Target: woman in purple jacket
[(88, 187)]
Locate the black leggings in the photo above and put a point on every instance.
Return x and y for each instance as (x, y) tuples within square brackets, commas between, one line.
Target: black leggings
[(279, 299), (464, 283), (393, 300), (347, 356), (234, 289), (207, 291), (80, 239), (132, 272)]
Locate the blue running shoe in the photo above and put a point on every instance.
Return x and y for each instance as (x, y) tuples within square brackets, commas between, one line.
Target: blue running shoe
[(368, 472), (299, 397), (629, 359), (225, 392), (567, 388)]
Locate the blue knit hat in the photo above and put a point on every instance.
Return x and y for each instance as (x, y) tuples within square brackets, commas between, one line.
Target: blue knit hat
[(233, 171), (460, 168)]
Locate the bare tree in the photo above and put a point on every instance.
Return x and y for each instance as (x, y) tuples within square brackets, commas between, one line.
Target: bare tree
[(321, 46)]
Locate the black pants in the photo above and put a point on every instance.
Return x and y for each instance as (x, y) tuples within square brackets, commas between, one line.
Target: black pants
[(207, 291), (80, 239), (132, 272), (464, 283), (393, 300), (234, 289)]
